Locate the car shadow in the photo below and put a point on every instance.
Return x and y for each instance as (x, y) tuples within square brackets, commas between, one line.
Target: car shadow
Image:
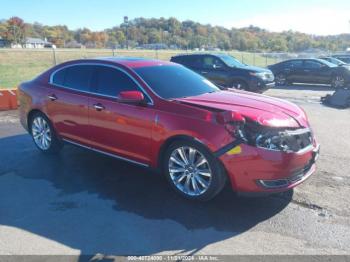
[(97, 204), (309, 87)]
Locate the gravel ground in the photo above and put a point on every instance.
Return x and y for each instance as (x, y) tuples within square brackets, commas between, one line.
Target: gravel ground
[(83, 203)]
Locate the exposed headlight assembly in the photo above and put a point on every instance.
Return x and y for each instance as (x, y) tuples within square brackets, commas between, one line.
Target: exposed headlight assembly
[(285, 140), (278, 139)]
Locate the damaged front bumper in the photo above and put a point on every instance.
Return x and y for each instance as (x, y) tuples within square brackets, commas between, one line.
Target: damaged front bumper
[(259, 170)]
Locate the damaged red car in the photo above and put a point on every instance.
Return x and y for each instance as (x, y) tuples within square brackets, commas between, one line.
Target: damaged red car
[(162, 115)]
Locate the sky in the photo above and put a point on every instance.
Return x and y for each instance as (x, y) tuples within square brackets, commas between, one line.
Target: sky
[(319, 17)]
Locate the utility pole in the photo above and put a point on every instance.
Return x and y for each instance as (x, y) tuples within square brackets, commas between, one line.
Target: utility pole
[(126, 22), (14, 34)]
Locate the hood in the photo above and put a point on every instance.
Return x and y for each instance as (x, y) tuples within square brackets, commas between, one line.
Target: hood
[(255, 69), (265, 110)]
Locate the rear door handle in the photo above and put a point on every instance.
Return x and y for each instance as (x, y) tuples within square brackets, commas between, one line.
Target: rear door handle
[(204, 72), (99, 107), (52, 97)]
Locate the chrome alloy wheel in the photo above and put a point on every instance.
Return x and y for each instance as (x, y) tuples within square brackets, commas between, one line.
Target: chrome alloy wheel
[(281, 79), (41, 133), (190, 171), (338, 81)]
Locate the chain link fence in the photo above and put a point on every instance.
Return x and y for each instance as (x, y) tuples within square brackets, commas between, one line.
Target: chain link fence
[(18, 65)]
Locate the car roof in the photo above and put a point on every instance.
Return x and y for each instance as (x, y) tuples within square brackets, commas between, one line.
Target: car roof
[(199, 54), (131, 62), (303, 59)]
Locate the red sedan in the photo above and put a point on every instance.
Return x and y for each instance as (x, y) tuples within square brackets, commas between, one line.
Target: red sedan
[(161, 115)]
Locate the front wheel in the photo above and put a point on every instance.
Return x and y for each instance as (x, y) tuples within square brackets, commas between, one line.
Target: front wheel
[(43, 134), (240, 85), (338, 81), (193, 171)]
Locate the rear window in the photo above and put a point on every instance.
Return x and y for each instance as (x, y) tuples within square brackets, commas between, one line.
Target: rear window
[(192, 61), (58, 78), (293, 63), (78, 77)]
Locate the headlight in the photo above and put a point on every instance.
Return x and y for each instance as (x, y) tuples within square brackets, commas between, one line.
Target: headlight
[(272, 142), (271, 138), (263, 75)]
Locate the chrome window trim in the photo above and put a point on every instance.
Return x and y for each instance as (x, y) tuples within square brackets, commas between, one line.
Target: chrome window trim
[(105, 153), (150, 102)]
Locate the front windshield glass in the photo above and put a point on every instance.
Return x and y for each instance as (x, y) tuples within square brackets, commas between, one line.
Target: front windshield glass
[(231, 61), (327, 63), (337, 61), (175, 81)]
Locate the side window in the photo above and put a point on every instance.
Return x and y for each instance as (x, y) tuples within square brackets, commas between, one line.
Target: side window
[(293, 64), (58, 77), (193, 61), (78, 77), (312, 64), (210, 62), (110, 81)]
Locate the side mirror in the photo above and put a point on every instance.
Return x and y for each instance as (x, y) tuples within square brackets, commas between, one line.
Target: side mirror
[(131, 97)]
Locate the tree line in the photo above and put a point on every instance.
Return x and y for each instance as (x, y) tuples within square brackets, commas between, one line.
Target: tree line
[(172, 33)]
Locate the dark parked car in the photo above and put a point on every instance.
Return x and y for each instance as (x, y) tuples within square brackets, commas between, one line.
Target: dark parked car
[(162, 115), (344, 58), (313, 71), (333, 60), (227, 72)]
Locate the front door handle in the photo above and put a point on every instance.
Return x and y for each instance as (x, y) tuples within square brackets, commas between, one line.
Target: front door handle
[(52, 97), (99, 107), (204, 72)]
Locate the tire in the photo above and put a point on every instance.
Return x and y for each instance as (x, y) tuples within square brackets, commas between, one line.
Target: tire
[(338, 81), (281, 79), (240, 85), (43, 134), (202, 182)]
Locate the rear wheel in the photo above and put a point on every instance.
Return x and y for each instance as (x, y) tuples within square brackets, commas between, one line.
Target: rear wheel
[(43, 134), (281, 79), (193, 171)]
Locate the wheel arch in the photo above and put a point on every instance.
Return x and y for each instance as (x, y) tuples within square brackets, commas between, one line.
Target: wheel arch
[(171, 140), (30, 114), (239, 79)]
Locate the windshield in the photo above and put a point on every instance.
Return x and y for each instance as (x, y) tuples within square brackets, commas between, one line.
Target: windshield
[(169, 81), (231, 61), (325, 62), (333, 60), (337, 61)]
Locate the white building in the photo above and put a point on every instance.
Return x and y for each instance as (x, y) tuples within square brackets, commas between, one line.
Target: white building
[(36, 43)]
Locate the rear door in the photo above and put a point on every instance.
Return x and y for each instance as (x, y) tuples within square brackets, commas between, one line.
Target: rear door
[(293, 70), (119, 128), (68, 98)]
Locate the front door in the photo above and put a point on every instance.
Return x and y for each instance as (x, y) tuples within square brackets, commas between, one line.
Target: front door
[(215, 70), (119, 128), (316, 72)]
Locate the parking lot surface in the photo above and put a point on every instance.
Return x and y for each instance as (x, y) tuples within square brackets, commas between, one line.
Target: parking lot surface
[(80, 202)]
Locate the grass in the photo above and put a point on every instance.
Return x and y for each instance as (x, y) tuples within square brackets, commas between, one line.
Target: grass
[(17, 65)]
